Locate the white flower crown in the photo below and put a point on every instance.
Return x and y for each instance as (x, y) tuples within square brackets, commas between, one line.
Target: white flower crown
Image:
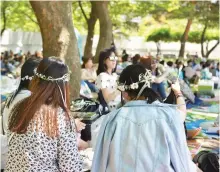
[(65, 77), (27, 78), (143, 78)]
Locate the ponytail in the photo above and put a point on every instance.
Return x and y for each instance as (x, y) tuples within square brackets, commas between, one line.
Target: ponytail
[(151, 95)]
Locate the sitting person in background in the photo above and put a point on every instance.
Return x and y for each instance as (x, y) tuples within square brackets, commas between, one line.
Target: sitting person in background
[(170, 67), (88, 74), (4, 68), (190, 73), (85, 91), (198, 66), (106, 81), (145, 134), (18, 60), (119, 67), (205, 73), (161, 66), (38, 54), (212, 68), (9, 65), (158, 84), (28, 55), (218, 70), (125, 61), (216, 76), (179, 70), (136, 59), (124, 52)]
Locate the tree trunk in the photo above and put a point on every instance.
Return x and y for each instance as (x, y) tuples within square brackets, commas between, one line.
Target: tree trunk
[(184, 38), (91, 27), (158, 48), (4, 18), (209, 51), (59, 39), (207, 46), (105, 35), (203, 39)]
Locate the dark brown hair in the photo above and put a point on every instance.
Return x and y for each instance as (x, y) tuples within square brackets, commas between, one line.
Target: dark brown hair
[(102, 57), (46, 98), (131, 75), (147, 63), (85, 60)]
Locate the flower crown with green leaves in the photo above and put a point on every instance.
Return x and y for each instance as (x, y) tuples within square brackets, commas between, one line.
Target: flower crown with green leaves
[(143, 78), (65, 77)]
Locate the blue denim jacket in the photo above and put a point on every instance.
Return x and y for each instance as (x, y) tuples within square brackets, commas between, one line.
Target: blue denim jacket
[(141, 137)]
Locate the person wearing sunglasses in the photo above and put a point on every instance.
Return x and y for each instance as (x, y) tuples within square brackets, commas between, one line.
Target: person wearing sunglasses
[(106, 81)]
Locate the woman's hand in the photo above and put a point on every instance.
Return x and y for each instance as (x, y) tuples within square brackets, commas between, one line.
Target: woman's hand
[(180, 101), (82, 145), (176, 88), (79, 125)]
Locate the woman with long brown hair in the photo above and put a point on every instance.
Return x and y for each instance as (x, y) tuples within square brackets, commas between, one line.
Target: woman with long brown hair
[(42, 135)]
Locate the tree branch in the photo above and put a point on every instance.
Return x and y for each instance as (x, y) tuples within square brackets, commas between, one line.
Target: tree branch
[(30, 17), (83, 12), (207, 46), (203, 38), (207, 54), (4, 20)]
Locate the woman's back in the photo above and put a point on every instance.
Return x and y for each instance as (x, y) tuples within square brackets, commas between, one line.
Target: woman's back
[(142, 137), (41, 132), (36, 151)]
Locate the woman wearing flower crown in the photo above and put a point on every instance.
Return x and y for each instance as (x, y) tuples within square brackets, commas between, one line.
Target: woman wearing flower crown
[(27, 73), (41, 133), (107, 79), (145, 134)]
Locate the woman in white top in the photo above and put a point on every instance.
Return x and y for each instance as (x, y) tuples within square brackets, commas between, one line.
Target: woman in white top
[(107, 79), (88, 74)]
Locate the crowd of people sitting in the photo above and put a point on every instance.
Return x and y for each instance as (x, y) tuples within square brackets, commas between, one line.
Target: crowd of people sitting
[(190, 71), (11, 63), (142, 97)]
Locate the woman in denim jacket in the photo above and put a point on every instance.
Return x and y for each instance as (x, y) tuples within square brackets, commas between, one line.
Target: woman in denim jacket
[(144, 135)]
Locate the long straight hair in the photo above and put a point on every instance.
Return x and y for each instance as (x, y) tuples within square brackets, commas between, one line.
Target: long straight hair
[(43, 105), (27, 69)]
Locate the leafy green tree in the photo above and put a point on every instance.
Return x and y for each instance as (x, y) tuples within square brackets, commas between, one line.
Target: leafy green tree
[(162, 34), (17, 15), (180, 10), (208, 15)]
